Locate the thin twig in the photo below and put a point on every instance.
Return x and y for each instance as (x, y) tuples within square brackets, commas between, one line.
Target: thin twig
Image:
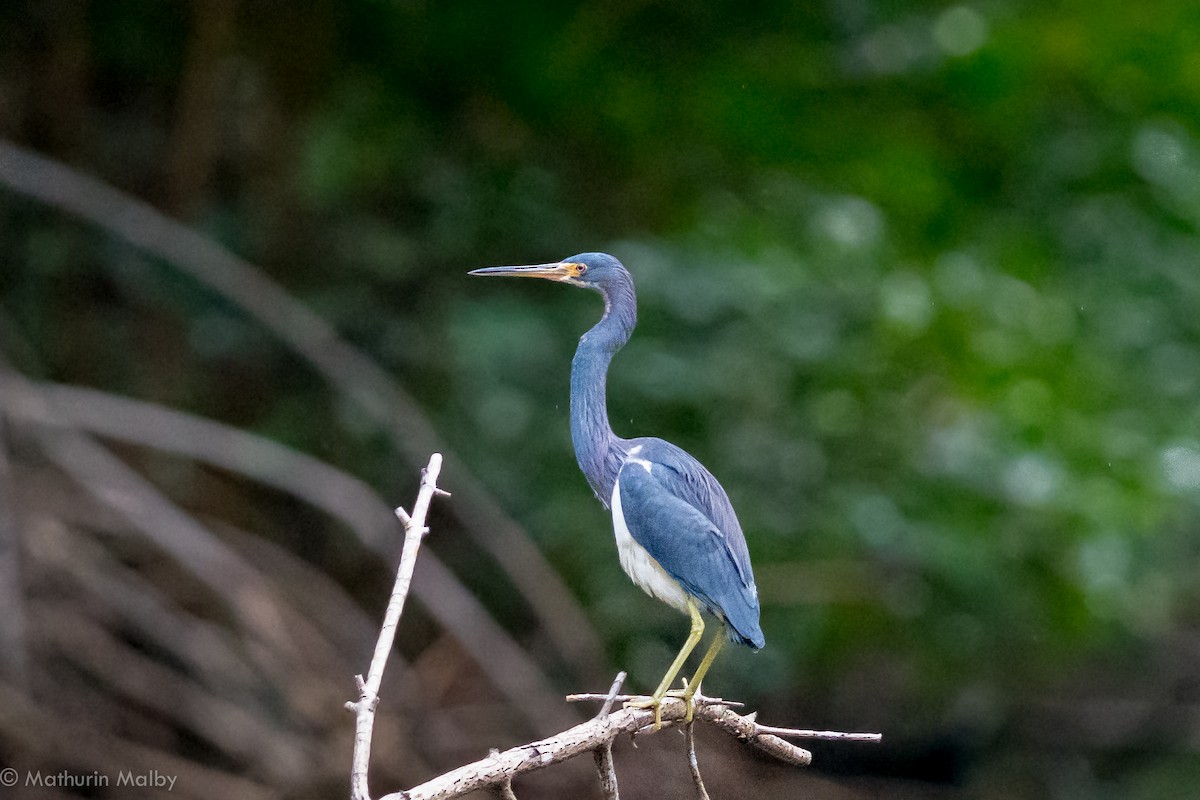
[(364, 709), (585, 697), (605, 767), (612, 694), (693, 762), (801, 733), (414, 532)]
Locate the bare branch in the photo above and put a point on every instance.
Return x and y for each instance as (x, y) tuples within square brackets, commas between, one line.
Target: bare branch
[(737, 724), (612, 694), (746, 729), (589, 736), (801, 733), (607, 771), (498, 769), (582, 738), (603, 754), (693, 763), (364, 709)]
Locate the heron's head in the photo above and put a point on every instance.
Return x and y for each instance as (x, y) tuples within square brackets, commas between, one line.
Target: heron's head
[(590, 270)]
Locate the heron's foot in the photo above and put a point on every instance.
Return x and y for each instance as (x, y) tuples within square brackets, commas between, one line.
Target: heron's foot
[(655, 702), (688, 695)]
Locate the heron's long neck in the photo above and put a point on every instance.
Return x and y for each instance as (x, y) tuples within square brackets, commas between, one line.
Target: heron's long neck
[(597, 449)]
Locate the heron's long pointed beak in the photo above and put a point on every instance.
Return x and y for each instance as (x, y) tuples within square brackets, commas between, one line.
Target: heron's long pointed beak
[(559, 271)]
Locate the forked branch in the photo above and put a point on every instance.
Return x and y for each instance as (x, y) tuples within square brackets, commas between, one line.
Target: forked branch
[(596, 736)]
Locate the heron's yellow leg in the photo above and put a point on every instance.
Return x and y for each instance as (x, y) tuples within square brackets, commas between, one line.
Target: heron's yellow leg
[(693, 639), (693, 686)]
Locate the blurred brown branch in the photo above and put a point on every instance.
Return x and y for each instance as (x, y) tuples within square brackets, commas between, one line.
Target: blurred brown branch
[(168, 622), (341, 495), (350, 370)]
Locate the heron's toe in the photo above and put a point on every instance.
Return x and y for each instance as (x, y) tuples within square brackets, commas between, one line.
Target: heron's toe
[(649, 702), (689, 700), (688, 695)]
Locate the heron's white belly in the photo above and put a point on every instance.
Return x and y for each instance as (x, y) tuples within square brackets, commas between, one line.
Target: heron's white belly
[(640, 565)]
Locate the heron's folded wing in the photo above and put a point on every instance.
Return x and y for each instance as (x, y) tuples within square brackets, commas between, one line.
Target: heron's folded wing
[(686, 478), (688, 546)]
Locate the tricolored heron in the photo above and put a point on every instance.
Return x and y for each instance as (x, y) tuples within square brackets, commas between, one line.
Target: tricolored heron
[(677, 535)]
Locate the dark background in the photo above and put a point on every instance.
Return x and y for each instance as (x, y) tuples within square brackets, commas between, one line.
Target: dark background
[(919, 282)]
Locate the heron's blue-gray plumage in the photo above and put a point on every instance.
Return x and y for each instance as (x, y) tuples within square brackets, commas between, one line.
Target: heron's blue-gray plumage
[(677, 512), (675, 509)]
